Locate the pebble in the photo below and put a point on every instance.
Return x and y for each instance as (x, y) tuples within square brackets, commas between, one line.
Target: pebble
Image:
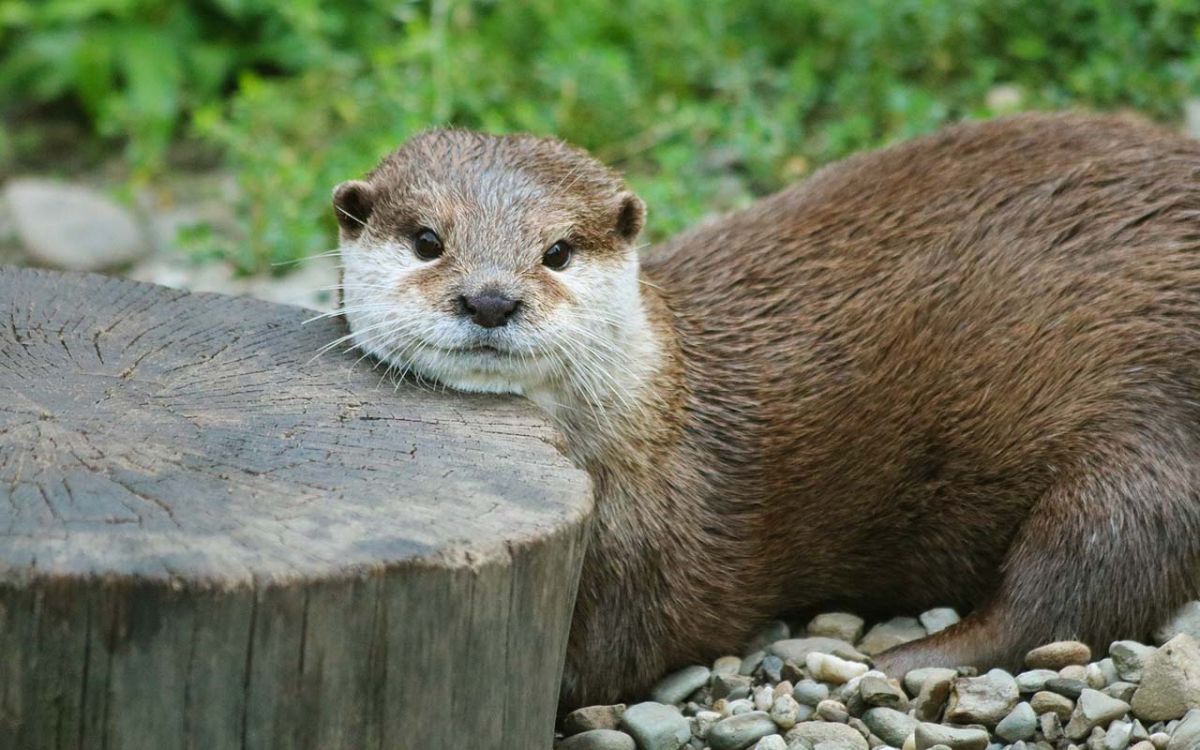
[(797, 649), (982, 700), (738, 707), (834, 711), (1130, 658), (818, 733), (1020, 724), (1160, 740), (1143, 745), (1093, 709), (656, 726), (599, 739), (842, 626), (741, 731), (764, 697), (1074, 672), (751, 662), (1117, 736), (1069, 688), (785, 712), (771, 742), (890, 725), (727, 665), (1185, 620), (1187, 733), (677, 686), (1122, 691), (772, 667), (590, 718), (879, 691), (829, 668), (1058, 655), (1095, 677), (938, 619), (73, 227), (1170, 681), (1035, 680), (1048, 702), (704, 721), (894, 632), (724, 685), (916, 678), (935, 692), (1051, 726), (810, 692), (956, 738)]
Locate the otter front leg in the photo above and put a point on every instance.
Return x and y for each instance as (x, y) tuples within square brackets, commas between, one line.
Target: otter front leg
[(1106, 554)]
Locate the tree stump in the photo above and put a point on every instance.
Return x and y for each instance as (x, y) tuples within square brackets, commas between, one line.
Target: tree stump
[(213, 540)]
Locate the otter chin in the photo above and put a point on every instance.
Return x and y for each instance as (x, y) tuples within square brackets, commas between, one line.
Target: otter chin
[(963, 371)]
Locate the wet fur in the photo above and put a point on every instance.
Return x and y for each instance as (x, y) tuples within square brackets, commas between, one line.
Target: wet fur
[(964, 370)]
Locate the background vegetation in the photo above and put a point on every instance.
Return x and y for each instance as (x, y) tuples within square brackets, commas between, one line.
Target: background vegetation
[(703, 103)]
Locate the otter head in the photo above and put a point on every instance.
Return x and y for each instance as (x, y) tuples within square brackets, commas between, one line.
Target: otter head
[(489, 263)]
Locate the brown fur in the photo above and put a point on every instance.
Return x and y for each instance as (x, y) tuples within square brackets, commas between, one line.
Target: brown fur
[(964, 370)]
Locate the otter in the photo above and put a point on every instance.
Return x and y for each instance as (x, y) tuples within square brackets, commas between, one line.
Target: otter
[(963, 370)]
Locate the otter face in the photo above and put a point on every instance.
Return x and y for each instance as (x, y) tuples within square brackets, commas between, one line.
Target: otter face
[(488, 263)]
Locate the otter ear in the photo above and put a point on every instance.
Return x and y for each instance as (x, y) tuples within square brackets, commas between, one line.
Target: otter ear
[(630, 217), (353, 202)]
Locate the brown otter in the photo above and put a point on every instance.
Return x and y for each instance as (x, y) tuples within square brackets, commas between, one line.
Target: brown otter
[(964, 370)]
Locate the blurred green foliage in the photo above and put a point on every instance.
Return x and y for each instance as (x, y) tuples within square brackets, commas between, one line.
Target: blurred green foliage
[(702, 103)]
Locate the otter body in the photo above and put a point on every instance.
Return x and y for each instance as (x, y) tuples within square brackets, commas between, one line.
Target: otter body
[(964, 370)]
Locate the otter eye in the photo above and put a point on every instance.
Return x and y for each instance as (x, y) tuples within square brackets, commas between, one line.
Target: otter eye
[(558, 256), (427, 244)]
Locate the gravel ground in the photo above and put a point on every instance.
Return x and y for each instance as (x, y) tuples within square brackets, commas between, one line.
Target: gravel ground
[(812, 688)]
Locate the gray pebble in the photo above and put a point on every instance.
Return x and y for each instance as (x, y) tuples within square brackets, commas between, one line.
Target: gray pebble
[(1034, 680), (656, 726), (740, 706), (593, 717), (1091, 710), (938, 619), (1130, 658), (1095, 741), (840, 625), (750, 662), (955, 738), (890, 725), (894, 632), (1020, 724), (935, 692), (1170, 681), (810, 692), (1069, 688), (727, 665), (1186, 735), (771, 742), (818, 733), (725, 684), (741, 731), (786, 712), (677, 686), (982, 700), (702, 722), (834, 711), (772, 668), (1160, 740), (1117, 736), (879, 691), (1051, 726), (797, 649), (599, 739), (1122, 691), (915, 678)]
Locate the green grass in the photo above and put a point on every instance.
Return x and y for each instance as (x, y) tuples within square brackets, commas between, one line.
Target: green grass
[(703, 104)]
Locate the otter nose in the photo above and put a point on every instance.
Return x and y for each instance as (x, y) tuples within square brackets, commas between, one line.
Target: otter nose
[(490, 309)]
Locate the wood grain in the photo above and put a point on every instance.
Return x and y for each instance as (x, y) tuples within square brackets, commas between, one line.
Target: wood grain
[(210, 539)]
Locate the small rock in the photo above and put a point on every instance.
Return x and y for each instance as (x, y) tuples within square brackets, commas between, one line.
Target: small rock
[(590, 718), (1139, 732), (894, 632), (797, 649), (1069, 688), (1185, 620), (739, 707), (1186, 735), (1117, 736), (1094, 676), (73, 227), (833, 711), (1058, 655), (1051, 726), (1122, 691), (938, 619), (704, 721), (1143, 745), (775, 630), (1035, 680), (1160, 740), (1074, 672), (1093, 709), (599, 739), (1096, 740), (771, 742), (1048, 702), (727, 665), (751, 662), (1108, 668), (785, 712), (929, 735), (982, 700), (838, 736), (890, 725), (935, 692), (677, 686), (656, 726), (724, 685), (839, 625), (879, 691), (1170, 681), (1130, 658), (1020, 724), (764, 697), (916, 678), (810, 692), (828, 668), (739, 732), (772, 668)]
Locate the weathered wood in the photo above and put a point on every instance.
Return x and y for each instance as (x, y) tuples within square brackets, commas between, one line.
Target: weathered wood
[(210, 540)]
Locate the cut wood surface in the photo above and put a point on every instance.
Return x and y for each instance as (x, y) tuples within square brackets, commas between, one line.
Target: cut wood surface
[(211, 539)]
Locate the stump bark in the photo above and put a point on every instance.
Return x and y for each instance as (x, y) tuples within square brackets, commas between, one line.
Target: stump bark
[(212, 540)]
